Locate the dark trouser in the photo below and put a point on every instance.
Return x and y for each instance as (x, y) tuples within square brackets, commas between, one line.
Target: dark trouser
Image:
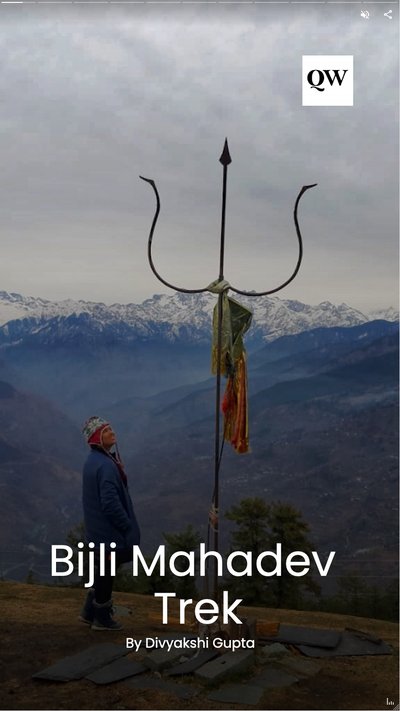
[(103, 584)]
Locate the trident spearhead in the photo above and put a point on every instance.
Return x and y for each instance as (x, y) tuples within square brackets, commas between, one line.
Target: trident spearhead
[(225, 155)]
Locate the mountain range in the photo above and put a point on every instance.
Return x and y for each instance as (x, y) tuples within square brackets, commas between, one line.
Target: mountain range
[(323, 420), (178, 317), (325, 441)]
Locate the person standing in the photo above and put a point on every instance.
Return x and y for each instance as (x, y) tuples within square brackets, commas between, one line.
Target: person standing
[(109, 517)]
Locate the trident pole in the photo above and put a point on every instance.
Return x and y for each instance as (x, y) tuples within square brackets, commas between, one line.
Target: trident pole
[(225, 160)]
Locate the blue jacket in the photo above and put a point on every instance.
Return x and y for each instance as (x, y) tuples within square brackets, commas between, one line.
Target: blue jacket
[(107, 506)]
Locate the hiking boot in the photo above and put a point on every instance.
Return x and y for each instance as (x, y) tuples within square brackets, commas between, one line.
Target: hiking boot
[(87, 612), (103, 617)]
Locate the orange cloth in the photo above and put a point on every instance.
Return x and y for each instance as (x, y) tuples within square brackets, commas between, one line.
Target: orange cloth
[(234, 407), (236, 320)]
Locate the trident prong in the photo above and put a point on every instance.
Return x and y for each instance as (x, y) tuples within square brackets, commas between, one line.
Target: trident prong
[(150, 243), (225, 160), (300, 257)]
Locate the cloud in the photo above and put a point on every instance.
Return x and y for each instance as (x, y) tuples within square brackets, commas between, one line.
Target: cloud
[(89, 104)]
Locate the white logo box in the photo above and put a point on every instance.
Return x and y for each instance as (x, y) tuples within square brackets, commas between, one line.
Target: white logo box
[(327, 80)]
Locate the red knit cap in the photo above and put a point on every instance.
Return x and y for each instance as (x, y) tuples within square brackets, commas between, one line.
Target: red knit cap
[(96, 436), (93, 428)]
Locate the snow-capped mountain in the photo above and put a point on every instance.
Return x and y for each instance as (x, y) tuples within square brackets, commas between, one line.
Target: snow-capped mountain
[(389, 314), (169, 317)]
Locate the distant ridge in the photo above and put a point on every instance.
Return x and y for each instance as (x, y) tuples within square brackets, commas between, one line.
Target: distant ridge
[(183, 317)]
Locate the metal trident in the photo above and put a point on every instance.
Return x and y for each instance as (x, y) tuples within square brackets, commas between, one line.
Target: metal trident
[(225, 159)]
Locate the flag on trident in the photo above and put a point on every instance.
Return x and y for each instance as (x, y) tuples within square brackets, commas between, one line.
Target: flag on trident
[(228, 355), (231, 359)]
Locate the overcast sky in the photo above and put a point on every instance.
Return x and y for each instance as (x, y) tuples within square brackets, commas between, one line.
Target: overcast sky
[(93, 98)]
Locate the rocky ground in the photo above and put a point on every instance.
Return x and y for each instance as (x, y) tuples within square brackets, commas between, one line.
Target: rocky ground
[(40, 626)]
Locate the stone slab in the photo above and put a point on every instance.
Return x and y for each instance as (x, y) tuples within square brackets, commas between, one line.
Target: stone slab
[(80, 665), (364, 635), (183, 691), (117, 670), (225, 665), (274, 678), (191, 665), (275, 650), (350, 645), (238, 694), (160, 659), (299, 666), (311, 636)]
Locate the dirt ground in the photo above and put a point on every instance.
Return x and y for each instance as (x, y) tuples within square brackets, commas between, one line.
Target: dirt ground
[(40, 626)]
